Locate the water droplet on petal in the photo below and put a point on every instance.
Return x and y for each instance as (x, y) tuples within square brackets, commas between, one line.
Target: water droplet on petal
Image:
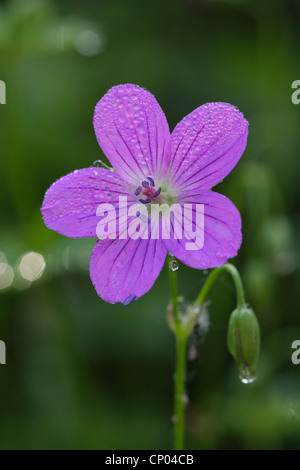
[(247, 376), (129, 300), (173, 265), (101, 164), (98, 164)]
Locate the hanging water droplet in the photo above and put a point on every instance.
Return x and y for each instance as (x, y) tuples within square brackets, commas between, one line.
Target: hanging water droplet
[(247, 376), (129, 300), (173, 265)]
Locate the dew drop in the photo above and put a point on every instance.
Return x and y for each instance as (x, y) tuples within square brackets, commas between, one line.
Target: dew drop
[(98, 164), (141, 128), (101, 164), (129, 300), (247, 376), (173, 265)]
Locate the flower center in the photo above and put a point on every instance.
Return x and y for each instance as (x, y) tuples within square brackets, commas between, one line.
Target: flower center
[(149, 191)]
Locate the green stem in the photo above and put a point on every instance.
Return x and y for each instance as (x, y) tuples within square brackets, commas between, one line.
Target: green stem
[(174, 293), (182, 331), (213, 277), (181, 340), (180, 396)]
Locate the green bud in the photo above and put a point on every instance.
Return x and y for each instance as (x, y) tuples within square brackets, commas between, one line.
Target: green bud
[(243, 340)]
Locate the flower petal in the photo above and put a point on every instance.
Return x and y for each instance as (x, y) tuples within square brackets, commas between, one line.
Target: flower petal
[(206, 145), (222, 231), (70, 204), (126, 269), (133, 132)]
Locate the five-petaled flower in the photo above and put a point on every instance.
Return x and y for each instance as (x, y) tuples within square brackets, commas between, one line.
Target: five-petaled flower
[(151, 164)]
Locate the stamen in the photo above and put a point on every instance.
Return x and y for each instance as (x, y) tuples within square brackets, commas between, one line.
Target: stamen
[(147, 189), (157, 192), (138, 190), (151, 181), (145, 201)]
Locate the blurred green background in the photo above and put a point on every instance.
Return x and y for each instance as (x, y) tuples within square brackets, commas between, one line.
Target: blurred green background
[(84, 374)]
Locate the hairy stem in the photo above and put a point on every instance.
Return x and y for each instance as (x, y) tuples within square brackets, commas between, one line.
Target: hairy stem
[(182, 329), (180, 371), (180, 396)]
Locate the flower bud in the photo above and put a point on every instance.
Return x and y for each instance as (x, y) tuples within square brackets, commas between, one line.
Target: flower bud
[(243, 340)]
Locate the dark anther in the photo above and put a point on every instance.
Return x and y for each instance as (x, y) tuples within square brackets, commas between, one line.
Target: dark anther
[(151, 181)]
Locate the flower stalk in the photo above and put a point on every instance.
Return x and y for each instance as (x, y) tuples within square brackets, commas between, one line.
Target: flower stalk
[(180, 371), (211, 279), (243, 328)]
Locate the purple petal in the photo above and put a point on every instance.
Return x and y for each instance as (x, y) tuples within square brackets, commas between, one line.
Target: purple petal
[(122, 270), (133, 132), (222, 231), (70, 204), (206, 145)]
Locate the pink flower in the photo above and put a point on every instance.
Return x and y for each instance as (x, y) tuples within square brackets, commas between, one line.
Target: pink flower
[(152, 165)]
